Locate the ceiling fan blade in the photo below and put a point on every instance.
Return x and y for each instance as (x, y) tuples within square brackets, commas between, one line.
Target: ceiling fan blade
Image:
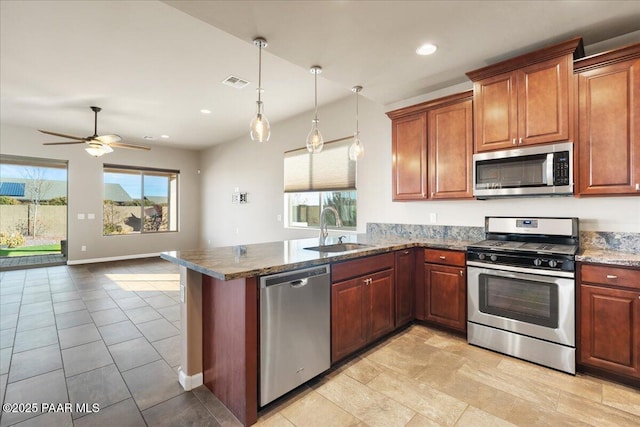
[(132, 146), (63, 143), (62, 135), (108, 139)]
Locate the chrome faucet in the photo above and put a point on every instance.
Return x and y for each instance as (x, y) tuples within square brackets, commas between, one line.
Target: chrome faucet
[(323, 226)]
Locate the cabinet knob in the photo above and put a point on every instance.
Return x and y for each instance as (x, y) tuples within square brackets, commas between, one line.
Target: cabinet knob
[(514, 141), (442, 257), (406, 252), (637, 186), (461, 273), (611, 276), (520, 141)]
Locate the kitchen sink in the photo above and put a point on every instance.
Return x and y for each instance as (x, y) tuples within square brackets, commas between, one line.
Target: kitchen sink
[(338, 247)]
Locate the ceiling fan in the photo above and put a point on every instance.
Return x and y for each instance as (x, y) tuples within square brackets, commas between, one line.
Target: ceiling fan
[(97, 144)]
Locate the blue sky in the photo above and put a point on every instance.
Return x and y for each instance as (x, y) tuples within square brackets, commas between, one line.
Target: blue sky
[(154, 185)]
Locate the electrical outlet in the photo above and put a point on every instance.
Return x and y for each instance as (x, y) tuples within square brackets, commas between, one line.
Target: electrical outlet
[(433, 217), (91, 216), (279, 218), (83, 248), (80, 216), (237, 231)]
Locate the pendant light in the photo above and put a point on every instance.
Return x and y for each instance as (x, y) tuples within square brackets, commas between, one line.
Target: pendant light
[(356, 151), (260, 128), (314, 139)]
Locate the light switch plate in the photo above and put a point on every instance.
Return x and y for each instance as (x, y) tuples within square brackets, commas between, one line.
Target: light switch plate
[(91, 216), (80, 216)]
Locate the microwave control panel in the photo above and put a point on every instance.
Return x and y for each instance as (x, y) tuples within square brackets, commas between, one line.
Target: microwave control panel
[(561, 168)]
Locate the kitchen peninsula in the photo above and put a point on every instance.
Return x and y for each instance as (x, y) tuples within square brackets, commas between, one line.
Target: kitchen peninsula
[(220, 305)]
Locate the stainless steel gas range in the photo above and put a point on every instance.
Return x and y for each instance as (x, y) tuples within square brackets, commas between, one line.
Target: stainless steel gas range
[(521, 289)]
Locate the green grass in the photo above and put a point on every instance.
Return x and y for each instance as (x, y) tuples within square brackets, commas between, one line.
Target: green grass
[(31, 250)]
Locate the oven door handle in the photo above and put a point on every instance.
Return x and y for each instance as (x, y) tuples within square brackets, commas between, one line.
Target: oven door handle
[(540, 272)]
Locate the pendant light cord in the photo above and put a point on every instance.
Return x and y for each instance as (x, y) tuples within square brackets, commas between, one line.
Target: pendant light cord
[(259, 72), (357, 128), (315, 75)]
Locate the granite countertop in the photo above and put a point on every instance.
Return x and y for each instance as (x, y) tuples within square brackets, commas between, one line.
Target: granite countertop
[(234, 262), (610, 257)]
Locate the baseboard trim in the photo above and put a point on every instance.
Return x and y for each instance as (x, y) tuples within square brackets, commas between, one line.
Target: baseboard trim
[(189, 382), (113, 258)]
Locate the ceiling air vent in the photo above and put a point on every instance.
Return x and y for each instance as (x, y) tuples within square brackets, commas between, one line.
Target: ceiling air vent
[(235, 82)]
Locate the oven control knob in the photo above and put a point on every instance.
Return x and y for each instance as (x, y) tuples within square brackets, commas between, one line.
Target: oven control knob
[(481, 256), (494, 257), (552, 263), (537, 262)]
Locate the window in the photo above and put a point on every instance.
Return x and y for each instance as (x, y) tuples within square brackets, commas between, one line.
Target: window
[(33, 206), (139, 200), (314, 181), (304, 208)]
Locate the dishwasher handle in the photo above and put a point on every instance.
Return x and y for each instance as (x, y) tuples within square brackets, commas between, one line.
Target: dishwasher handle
[(299, 283), (296, 278)]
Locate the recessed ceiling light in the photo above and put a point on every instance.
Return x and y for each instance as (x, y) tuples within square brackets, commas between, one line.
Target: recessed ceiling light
[(205, 111), (164, 136), (426, 49)]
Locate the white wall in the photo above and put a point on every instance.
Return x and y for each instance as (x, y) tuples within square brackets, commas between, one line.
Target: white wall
[(257, 169), (85, 193)]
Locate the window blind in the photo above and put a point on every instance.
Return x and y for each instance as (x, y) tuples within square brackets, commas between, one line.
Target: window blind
[(329, 170)]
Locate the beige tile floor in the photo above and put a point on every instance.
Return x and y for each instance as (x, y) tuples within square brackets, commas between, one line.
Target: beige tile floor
[(108, 333), (426, 377)]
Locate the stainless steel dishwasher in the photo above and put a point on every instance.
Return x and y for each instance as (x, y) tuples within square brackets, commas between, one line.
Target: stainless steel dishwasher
[(295, 329)]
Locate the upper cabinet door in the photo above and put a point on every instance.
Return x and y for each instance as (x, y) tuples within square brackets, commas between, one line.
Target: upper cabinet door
[(409, 149), (609, 127), (543, 102), (525, 100), (495, 111), (451, 151)]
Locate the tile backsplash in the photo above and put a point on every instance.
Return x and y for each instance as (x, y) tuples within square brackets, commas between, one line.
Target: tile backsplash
[(611, 240), (607, 240), (419, 231)]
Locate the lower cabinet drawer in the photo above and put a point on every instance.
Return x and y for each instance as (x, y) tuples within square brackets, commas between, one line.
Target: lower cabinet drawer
[(608, 275), (442, 256), (361, 266)]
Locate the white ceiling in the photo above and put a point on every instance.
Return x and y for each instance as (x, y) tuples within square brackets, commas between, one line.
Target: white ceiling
[(153, 65)]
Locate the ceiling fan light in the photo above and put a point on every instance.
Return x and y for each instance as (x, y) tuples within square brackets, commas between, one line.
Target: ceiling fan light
[(95, 151)]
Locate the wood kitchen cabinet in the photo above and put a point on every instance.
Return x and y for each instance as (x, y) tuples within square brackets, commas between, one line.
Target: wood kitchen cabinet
[(432, 149), (405, 286), (525, 100), (608, 145), (609, 320), (409, 147), (450, 151), (362, 303), (445, 288)]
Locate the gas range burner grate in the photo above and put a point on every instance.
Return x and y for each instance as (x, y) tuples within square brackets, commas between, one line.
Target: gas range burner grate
[(506, 246)]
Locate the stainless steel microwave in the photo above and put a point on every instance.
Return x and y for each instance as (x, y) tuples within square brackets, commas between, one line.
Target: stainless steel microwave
[(529, 171)]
